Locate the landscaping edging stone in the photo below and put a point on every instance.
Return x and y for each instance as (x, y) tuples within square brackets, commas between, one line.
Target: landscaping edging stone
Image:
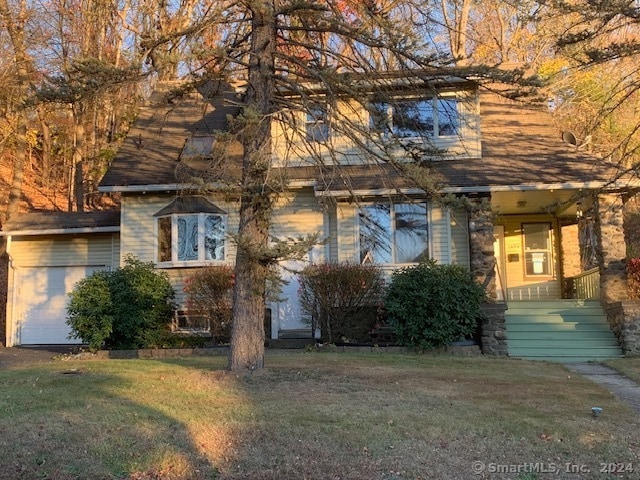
[(161, 353), (457, 350)]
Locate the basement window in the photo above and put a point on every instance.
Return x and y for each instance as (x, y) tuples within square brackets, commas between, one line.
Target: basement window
[(190, 231)]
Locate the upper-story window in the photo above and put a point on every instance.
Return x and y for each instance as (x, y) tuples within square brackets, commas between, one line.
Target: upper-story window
[(415, 118), (190, 230), (317, 123), (391, 234)]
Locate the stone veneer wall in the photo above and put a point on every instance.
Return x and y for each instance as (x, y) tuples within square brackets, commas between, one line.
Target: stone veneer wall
[(483, 260), (623, 314), (494, 335), (611, 247), (624, 318)]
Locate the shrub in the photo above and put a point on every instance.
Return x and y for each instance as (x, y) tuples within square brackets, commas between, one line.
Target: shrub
[(130, 307), (431, 305), (633, 277), (208, 293), (341, 299)]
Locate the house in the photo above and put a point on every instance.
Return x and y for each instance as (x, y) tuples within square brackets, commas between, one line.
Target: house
[(527, 196)]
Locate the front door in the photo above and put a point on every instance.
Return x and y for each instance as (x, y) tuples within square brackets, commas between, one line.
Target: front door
[(526, 249)]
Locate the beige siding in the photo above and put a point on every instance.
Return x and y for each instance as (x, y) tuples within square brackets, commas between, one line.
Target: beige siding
[(138, 224), (520, 287), (296, 215), (346, 219), (66, 250), (440, 233), (460, 238)]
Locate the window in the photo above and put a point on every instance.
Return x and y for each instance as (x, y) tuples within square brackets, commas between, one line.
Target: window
[(317, 123), (538, 252), (190, 230), (416, 118), (393, 233)]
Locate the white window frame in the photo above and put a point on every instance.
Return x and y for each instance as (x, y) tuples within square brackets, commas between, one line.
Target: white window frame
[(435, 100), (392, 219), (546, 250), (201, 260)]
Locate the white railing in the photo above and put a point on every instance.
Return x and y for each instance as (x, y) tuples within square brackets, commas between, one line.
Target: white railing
[(587, 284)]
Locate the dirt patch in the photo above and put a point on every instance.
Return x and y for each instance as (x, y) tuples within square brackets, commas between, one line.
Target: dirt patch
[(25, 355)]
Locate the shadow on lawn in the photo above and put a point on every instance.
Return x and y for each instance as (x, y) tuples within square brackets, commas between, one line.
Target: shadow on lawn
[(68, 422)]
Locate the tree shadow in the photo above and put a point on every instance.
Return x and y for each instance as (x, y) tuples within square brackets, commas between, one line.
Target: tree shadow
[(74, 420)]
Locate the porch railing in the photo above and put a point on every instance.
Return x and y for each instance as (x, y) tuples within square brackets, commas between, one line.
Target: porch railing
[(587, 284)]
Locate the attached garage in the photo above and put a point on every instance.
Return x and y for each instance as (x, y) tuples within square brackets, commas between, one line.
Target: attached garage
[(48, 254)]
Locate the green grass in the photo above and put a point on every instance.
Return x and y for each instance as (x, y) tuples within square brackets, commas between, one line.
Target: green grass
[(308, 416)]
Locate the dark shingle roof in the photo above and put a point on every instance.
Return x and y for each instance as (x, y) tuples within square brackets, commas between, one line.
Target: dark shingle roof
[(58, 221), (151, 152), (520, 146)]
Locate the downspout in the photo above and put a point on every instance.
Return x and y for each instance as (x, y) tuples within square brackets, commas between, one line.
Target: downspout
[(11, 332)]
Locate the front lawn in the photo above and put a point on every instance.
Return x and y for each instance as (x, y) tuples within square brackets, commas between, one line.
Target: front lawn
[(312, 416)]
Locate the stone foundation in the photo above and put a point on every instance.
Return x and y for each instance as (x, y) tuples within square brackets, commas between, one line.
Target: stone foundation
[(624, 318), (494, 335)]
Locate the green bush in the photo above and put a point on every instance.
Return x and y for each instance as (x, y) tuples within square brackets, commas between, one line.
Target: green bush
[(209, 292), (341, 300), (131, 307), (430, 305)]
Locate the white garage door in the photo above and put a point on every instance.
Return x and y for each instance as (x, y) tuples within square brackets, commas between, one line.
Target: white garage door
[(42, 300)]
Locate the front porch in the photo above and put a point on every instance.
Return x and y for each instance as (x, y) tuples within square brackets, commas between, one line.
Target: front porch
[(551, 252)]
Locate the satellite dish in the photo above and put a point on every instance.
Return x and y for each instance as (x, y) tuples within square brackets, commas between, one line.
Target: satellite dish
[(569, 137)]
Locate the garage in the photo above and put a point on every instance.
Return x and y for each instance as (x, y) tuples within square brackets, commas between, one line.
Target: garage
[(48, 254), (42, 294)]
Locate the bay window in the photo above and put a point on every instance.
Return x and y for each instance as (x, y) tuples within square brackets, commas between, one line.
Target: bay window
[(190, 230)]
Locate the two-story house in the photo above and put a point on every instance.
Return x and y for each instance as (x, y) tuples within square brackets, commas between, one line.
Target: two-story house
[(521, 194)]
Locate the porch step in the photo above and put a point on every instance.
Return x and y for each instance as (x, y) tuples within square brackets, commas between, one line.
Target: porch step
[(560, 330)]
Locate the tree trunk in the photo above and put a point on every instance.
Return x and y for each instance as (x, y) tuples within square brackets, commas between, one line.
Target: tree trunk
[(78, 155), (247, 336), (24, 64)]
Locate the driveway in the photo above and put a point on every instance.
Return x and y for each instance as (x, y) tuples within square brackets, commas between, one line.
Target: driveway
[(25, 355)]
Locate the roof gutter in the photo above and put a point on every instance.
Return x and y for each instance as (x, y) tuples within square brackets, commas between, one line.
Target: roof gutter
[(157, 188), (477, 189), (61, 231)]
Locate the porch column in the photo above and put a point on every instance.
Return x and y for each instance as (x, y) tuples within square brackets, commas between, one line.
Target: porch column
[(483, 260), (611, 247)]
